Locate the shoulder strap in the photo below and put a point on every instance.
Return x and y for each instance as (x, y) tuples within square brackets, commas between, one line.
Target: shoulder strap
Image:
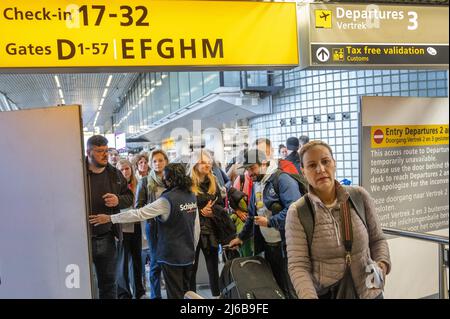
[(241, 182), (306, 217), (347, 232), (299, 179), (358, 203), (276, 181), (145, 184)]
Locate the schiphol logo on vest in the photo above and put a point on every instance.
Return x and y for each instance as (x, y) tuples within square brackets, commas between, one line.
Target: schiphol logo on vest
[(189, 207)]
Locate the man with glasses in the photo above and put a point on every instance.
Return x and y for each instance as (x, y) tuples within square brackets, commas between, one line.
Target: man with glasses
[(108, 193)]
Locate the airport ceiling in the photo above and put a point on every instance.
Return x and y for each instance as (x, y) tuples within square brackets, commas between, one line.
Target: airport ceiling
[(87, 89)]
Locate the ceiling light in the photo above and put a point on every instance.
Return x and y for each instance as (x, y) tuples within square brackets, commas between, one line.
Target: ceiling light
[(105, 92), (57, 81), (109, 80), (61, 95), (101, 101), (62, 101)]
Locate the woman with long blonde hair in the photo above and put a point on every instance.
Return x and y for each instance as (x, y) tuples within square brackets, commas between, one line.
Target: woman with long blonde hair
[(209, 201)]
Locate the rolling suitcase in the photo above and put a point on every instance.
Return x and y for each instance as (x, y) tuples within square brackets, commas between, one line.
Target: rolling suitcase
[(248, 278)]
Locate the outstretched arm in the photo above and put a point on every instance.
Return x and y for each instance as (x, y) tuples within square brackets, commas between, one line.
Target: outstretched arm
[(159, 207)]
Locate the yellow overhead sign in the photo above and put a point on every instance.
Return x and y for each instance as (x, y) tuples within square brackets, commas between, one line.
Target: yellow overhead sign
[(409, 135), (160, 34)]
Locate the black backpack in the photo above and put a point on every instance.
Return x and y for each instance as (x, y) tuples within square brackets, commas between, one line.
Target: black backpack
[(306, 215), (298, 177)]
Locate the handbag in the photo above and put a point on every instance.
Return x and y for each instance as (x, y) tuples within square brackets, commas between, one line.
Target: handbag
[(345, 287), (225, 229)]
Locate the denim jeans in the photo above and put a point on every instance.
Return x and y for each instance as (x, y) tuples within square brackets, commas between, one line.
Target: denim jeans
[(104, 257), (155, 268)]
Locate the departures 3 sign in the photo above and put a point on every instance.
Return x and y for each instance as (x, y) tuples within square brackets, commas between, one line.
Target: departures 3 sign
[(362, 35)]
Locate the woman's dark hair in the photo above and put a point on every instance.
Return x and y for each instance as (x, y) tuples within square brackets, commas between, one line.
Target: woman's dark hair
[(175, 175), (96, 140)]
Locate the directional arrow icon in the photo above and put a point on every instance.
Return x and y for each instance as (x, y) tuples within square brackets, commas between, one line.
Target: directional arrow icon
[(322, 54)]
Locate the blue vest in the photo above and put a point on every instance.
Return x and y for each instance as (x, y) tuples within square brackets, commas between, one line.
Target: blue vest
[(176, 244)]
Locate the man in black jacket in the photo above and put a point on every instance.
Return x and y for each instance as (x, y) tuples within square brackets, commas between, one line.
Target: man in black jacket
[(108, 193)]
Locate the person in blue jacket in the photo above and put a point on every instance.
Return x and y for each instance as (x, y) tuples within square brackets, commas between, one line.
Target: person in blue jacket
[(267, 215)]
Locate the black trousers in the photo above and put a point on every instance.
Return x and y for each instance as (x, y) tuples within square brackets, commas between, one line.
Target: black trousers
[(104, 257), (276, 255), (177, 280), (130, 247), (212, 266)]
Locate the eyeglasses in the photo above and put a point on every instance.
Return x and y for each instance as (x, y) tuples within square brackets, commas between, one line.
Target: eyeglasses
[(205, 163), (101, 151)]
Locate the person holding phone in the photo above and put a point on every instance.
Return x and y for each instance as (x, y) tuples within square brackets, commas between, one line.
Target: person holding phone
[(209, 202)]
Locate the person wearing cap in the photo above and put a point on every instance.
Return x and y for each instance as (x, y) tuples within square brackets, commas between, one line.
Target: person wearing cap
[(265, 225), (292, 145)]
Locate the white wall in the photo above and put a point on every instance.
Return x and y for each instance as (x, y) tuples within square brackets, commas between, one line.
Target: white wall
[(414, 271), (44, 250)]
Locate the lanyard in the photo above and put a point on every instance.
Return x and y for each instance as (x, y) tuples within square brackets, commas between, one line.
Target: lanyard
[(347, 231)]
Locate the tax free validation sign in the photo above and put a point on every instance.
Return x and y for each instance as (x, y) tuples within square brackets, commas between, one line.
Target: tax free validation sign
[(364, 35), (137, 33)]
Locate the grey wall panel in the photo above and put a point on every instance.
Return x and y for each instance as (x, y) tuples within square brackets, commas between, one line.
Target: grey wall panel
[(44, 248)]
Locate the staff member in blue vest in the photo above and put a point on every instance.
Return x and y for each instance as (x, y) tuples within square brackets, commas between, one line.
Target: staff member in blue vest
[(178, 228)]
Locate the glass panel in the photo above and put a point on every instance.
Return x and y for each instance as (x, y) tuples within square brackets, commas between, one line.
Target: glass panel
[(211, 81), (183, 82), (232, 78), (196, 83), (174, 91)]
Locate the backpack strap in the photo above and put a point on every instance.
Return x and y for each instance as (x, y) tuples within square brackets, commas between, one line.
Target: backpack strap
[(306, 216), (306, 213), (276, 181), (241, 182), (358, 203)]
